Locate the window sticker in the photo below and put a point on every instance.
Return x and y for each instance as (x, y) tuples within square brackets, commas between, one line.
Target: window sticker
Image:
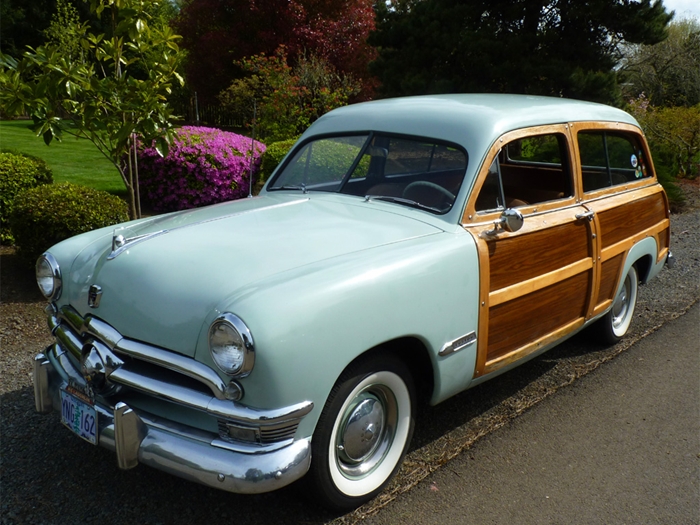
[(634, 161)]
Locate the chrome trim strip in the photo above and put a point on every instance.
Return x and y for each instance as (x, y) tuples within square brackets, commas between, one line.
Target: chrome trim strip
[(69, 341), (458, 344), (102, 331), (215, 407), (175, 362)]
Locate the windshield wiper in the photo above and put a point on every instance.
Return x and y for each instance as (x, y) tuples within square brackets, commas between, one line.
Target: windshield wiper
[(301, 187), (401, 200)]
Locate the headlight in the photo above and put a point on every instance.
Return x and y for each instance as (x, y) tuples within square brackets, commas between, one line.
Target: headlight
[(48, 277), (231, 345)]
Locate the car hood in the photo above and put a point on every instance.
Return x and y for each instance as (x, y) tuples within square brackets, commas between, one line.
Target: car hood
[(175, 270)]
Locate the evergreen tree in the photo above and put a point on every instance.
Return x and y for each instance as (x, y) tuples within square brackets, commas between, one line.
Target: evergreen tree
[(547, 47)]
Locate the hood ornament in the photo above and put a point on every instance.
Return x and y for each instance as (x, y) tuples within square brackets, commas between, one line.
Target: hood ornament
[(121, 243)]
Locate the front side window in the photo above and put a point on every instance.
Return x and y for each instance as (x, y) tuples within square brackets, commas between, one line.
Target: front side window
[(609, 159), (415, 172), (529, 170)]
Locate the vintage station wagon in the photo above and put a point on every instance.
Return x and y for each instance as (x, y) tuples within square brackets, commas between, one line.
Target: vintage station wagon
[(404, 250)]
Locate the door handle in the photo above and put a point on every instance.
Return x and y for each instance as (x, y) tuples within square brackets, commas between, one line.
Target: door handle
[(588, 215)]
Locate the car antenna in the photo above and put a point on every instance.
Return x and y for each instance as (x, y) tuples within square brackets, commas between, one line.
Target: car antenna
[(252, 153)]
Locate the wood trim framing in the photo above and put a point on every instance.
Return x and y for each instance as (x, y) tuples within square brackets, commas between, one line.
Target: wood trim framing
[(543, 282)]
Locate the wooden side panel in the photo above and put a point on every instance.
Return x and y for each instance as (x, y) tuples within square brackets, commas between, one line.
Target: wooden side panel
[(511, 323), (524, 257), (623, 221), (609, 276)]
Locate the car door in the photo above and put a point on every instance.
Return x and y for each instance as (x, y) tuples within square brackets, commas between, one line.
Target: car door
[(536, 282), (618, 186)]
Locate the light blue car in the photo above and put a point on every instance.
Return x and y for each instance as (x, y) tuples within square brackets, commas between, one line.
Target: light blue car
[(404, 250)]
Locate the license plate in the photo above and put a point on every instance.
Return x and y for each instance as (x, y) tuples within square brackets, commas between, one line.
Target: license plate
[(79, 416)]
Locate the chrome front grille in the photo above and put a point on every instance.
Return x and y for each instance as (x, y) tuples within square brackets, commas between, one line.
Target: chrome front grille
[(166, 376)]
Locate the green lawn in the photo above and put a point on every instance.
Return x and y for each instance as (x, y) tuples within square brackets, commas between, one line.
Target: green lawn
[(73, 160)]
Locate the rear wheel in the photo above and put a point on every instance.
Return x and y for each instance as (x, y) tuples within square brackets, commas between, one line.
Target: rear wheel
[(363, 432), (612, 327)]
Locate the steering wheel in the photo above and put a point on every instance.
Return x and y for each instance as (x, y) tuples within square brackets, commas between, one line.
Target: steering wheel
[(426, 184)]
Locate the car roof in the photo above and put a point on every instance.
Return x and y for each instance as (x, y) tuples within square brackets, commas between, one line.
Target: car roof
[(474, 121)]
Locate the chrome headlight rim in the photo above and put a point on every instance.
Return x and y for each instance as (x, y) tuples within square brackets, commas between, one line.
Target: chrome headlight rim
[(55, 275), (247, 348)]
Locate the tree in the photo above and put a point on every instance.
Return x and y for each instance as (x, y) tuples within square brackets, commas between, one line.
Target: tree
[(63, 31), (117, 93), (219, 34), (23, 23), (288, 99), (668, 73), (547, 47), (673, 133)]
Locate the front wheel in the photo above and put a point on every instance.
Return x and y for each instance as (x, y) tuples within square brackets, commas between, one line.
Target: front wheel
[(363, 432), (612, 327)]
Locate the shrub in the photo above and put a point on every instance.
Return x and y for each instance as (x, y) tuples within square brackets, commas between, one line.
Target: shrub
[(274, 154), (18, 172), (203, 166), (48, 214)]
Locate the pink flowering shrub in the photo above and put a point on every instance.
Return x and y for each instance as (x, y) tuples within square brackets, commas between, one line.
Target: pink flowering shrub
[(204, 166)]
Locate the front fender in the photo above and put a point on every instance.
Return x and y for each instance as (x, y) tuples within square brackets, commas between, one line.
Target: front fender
[(311, 322)]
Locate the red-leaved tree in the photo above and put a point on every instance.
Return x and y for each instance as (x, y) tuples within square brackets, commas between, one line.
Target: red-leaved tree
[(219, 33)]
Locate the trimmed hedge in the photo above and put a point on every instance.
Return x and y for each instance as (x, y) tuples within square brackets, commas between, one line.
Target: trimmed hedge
[(274, 154), (203, 166), (18, 172), (46, 215)]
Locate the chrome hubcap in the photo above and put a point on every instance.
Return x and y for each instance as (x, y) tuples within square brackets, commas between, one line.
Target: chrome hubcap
[(363, 429), (366, 432)]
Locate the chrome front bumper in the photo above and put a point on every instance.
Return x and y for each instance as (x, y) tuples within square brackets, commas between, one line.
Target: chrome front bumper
[(138, 437)]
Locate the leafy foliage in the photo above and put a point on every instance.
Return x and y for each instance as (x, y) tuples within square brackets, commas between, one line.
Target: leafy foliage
[(119, 91), (23, 23), (288, 99), (203, 166), (63, 30), (668, 73), (18, 172), (218, 35), (274, 154), (559, 48), (673, 133), (50, 213)]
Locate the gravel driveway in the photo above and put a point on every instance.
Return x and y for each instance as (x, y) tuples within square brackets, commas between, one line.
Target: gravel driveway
[(50, 476)]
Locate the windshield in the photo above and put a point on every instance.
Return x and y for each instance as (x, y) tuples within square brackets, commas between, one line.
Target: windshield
[(416, 172)]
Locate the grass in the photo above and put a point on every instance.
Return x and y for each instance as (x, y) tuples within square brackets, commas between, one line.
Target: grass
[(72, 160)]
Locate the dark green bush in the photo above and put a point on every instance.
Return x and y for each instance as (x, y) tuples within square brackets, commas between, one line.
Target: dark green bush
[(18, 172), (48, 214), (274, 154)]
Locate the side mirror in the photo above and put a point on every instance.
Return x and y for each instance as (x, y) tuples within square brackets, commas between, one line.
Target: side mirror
[(511, 220)]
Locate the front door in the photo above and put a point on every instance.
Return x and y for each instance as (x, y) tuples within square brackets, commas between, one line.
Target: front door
[(536, 282)]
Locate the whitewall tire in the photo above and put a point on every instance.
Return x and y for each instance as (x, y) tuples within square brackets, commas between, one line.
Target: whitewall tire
[(613, 326), (363, 432)]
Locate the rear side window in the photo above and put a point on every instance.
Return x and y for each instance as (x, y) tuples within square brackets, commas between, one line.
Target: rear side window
[(609, 159)]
